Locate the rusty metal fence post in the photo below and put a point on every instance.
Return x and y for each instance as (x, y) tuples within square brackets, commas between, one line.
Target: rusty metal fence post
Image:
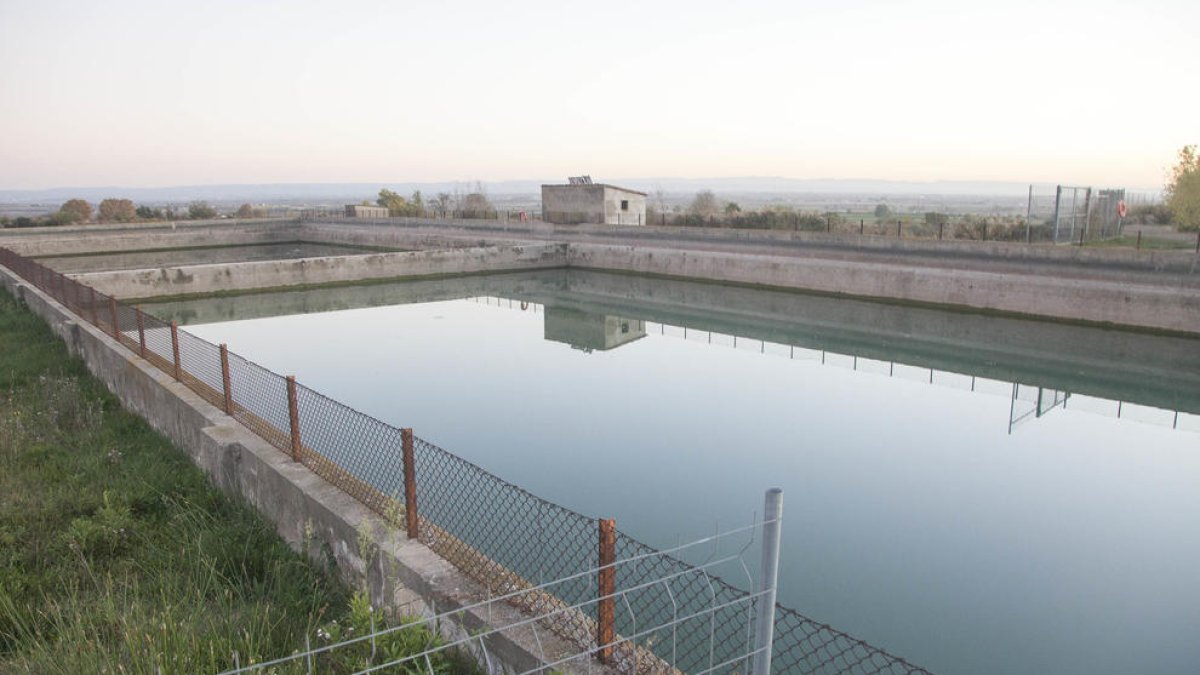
[(175, 350), (112, 311), (294, 416), (606, 616), (225, 380), (411, 522), (92, 305), (141, 323)]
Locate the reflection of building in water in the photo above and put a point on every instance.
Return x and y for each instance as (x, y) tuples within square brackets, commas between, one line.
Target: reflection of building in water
[(1028, 402), (590, 332)]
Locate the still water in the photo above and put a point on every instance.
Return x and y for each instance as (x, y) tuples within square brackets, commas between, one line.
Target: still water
[(975, 494)]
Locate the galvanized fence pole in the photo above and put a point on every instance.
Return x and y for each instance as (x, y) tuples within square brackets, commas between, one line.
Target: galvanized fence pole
[(764, 628), (225, 380), (112, 310), (606, 623), (141, 323), (175, 350), (294, 416), (412, 524)]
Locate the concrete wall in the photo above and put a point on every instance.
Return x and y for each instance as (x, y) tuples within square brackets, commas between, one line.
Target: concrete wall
[(325, 270), (571, 204), (635, 214), (1096, 301), (312, 515), (1149, 289), (1052, 258), (99, 239)]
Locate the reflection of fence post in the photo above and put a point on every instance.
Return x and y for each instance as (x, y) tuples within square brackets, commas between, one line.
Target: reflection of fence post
[(225, 379), (764, 629), (112, 310), (410, 483), (606, 630), (175, 349), (294, 416), (141, 321)]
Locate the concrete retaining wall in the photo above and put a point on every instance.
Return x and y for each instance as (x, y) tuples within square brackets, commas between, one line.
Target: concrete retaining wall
[(1175, 261), (332, 269), (100, 239), (310, 514), (1174, 309)]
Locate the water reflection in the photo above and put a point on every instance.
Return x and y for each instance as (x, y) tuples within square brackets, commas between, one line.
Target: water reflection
[(592, 331)]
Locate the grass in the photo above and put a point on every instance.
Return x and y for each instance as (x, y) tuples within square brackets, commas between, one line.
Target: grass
[(117, 555)]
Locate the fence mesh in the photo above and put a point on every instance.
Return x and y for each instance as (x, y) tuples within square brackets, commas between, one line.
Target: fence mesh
[(499, 534)]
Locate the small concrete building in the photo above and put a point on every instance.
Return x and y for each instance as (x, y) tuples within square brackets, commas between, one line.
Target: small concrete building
[(582, 201), (362, 211)]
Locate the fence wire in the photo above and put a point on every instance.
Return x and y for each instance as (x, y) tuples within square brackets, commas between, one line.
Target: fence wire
[(538, 555)]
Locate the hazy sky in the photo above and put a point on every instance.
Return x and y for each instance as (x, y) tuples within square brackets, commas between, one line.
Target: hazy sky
[(163, 93)]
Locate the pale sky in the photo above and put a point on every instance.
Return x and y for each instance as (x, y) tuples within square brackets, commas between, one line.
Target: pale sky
[(142, 94)]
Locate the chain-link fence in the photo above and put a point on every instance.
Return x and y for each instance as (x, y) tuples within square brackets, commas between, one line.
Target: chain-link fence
[(500, 535), (1065, 214)]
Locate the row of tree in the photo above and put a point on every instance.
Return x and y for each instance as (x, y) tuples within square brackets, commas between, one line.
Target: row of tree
[(79, 211), (475, 201)]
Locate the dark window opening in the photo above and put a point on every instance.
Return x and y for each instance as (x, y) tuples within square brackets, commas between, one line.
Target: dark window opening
[(624, 204)]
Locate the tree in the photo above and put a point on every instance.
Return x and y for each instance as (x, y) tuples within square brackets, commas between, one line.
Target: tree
[(935, 219), (442, 203), (200, 210), (147, 213), (732, 208), (392, 201), (416, 203), (882, 211), (704, 204), (74, 211), (476, 204), (245, 211), (1183, 190), (117, 211)]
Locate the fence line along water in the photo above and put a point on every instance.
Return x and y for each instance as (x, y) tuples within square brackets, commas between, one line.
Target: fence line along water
[(502, 536)]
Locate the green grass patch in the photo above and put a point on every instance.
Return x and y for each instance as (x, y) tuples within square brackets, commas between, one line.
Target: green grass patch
[(117, 555)]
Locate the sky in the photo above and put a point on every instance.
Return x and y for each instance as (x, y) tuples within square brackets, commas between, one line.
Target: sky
[(147, 94)]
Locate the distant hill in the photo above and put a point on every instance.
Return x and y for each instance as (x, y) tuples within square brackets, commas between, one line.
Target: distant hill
[(337, 192)]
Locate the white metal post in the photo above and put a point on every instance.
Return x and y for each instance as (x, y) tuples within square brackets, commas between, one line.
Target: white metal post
[(764, 629)]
